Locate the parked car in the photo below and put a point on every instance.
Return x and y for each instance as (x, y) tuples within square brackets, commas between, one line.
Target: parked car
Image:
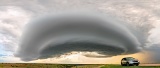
[(128, 61)]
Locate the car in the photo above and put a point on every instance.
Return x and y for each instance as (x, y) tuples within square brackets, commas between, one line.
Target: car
[(128, 61)]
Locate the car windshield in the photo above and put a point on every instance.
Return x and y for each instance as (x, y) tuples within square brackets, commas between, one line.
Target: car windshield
[(130, 58)]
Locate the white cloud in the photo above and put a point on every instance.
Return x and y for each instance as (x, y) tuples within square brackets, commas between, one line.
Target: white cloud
[(12, 21)]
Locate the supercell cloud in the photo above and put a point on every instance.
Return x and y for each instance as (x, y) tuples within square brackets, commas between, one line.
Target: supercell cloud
[(56, 35)]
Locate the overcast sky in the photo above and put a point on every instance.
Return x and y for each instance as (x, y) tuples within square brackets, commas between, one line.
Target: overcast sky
[(143, 15)]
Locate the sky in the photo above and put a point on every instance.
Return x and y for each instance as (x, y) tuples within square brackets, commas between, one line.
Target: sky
[(143, 16)]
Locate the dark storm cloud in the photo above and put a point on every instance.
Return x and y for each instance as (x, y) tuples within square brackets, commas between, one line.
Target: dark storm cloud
[(52, 36)]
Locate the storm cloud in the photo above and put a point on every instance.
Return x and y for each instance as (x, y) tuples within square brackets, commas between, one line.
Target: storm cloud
[(55, 35)]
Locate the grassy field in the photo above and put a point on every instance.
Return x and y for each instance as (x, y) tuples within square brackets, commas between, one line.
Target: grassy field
[(119, 66), (35, 65)]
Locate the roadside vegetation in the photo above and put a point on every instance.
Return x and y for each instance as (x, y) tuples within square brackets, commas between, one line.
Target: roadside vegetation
[(34, 65), (119, 66), (39, 65)]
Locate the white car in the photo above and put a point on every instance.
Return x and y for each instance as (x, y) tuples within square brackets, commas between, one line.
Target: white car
[(127, 61)]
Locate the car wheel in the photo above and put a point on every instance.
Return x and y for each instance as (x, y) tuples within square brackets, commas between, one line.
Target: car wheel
[(137, 64), (127, 64), (122, 64)]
